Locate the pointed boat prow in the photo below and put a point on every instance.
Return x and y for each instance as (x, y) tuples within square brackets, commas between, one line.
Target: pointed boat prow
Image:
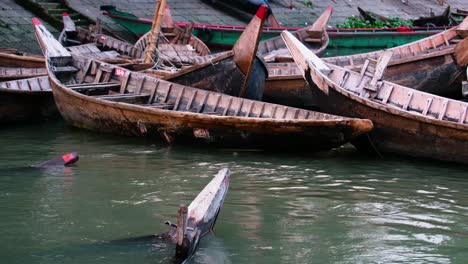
[(49, 45), (246, 46), (320, 25), (245, 51), (68, 24), (302, 55)]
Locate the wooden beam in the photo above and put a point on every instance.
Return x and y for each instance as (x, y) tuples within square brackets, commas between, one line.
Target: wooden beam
[(156, 27), (302, 55), (181, 247)]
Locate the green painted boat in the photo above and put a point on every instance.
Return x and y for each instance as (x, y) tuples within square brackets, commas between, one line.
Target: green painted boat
[(343, 41)]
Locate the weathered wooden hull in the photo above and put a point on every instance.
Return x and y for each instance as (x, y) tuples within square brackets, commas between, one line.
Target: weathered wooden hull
[(22, 105), (224, 76), (16, 107), (132, 120), (407, 122), (396, 133), (435, 72)]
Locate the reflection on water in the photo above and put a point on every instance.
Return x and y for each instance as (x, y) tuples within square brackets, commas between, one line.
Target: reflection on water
[(338, 207)]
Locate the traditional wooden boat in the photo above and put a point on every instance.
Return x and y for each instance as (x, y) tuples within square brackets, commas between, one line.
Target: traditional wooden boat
[(26, 99), (107, 98), (15, 58), (427, 65), (18, 65), (341, 39), (315, 38), (237, 72), (407, 121)]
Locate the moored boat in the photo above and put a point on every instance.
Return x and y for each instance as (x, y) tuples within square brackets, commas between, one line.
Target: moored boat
[(26, 99), (428, 65), (315, 37), (18, 65), (237, 72), (224, 36), (407, 121), (107, 98)]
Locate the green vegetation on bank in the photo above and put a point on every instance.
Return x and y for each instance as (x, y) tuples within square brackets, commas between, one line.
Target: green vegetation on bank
[(358, 22)]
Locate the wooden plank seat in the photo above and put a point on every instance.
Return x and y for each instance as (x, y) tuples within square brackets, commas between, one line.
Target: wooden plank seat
[(168, 106), (125, 98), (94, 86), (65, 69)]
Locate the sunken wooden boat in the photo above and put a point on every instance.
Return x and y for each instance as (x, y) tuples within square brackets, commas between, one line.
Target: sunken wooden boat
[(18, 65), (407, 121), (428, 65), (26, 99), (104, 97), (193, 222), (199, 218)]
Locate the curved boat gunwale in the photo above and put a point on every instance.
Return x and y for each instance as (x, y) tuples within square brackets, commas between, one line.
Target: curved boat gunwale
[(386, 107), (25, 57), (446, 35), (234, 121)]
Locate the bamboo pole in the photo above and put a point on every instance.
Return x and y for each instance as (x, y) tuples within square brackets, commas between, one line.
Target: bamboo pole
[(156, 27)]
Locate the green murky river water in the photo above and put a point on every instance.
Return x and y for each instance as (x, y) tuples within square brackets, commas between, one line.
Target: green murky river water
[(335, 207)]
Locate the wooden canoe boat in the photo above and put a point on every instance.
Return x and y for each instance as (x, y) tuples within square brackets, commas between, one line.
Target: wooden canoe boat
[(341, 39), (315, 37), (14, 58), (26, 99), (237, 72), (18, 65), (427, 65), (107, 98), (407, 121)]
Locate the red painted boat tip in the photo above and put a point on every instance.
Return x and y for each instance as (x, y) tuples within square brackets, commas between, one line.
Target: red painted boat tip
[(65, 14), (36, 21), (262, 12), (330, 8), (166, 7)]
